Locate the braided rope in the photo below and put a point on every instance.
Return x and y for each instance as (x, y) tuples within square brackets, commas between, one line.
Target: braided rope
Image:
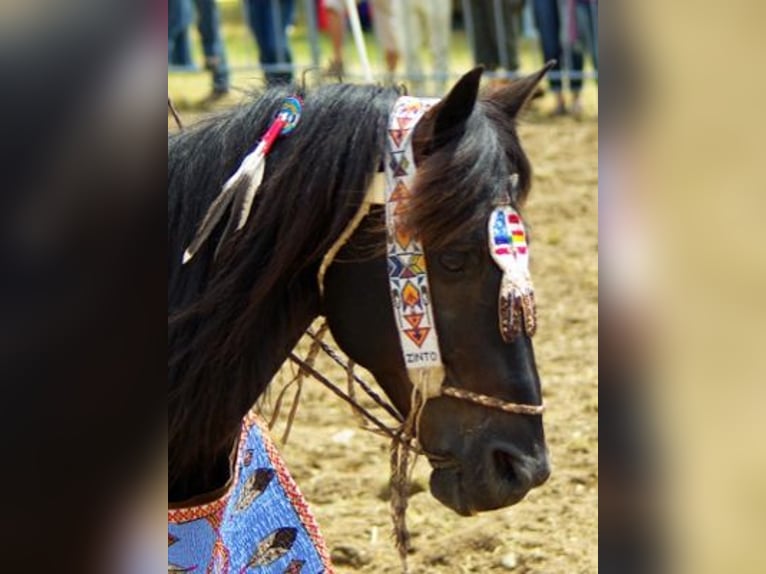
[(401, 473), (298, 380), (492, 402), (404, 437)]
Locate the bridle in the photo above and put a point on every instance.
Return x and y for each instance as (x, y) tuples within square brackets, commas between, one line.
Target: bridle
[(403, 436), (407, 271), (405, 253), (413, 311)]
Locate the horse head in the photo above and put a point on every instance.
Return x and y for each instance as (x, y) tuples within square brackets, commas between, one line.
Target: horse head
[(468, 161)]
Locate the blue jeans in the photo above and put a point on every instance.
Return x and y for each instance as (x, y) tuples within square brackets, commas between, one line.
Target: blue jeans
[(180, 16), (548, 19), (268, 19), (587, 28), (487, 46), (209, 26)]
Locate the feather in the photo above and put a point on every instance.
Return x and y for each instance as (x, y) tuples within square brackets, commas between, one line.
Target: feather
[(236, 206), (239, 188), (273, 547), (255, 182), (254, 486), (212, 217), (241, 204)]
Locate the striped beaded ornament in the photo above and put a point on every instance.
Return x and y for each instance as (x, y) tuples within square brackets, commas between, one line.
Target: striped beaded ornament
[(508, 248)]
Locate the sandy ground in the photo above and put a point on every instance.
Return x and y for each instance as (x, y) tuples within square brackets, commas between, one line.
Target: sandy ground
[(343, 471)]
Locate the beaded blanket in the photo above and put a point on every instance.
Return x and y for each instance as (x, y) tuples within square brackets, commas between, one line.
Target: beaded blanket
[(262, 523)]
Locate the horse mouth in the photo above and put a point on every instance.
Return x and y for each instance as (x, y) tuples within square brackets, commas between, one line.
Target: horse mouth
[(460, 491)]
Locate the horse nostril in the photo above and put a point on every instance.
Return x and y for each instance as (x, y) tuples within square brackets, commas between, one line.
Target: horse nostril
[(506, 467)]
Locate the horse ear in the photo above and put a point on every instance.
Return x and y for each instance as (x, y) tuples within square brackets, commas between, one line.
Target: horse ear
[(446, 120), (453, 111), (515, 95)]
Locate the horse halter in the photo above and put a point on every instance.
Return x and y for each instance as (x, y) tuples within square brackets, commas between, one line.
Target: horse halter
[(408, 275), (413, 308)]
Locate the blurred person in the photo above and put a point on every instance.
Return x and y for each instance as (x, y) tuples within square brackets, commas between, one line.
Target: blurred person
[(269, 20), (180, 17), (385, 20), (426, 24), (488, 50), (548, 17), (209, 26), (583, 27)]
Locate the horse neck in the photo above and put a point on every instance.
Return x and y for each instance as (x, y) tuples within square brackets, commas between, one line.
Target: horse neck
[(276, 331)]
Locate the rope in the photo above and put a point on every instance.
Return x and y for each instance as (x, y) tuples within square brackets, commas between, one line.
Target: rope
[(173, 111), (401, 473), (358, 380), (404, 438), (332, 387), (298, 379), (492, 402)]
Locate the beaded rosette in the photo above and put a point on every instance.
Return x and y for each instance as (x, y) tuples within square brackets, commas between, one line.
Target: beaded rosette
[(508, 248)]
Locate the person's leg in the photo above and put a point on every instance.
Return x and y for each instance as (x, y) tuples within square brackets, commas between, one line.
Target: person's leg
[(575, 82), (439, 27), (587, 28), (547, 19), (173, 28), (386, 21), (511, 11), (336, 26), (179, 18), (182, 53), (287, 12), (261, 19), (209, 25), (484, 34), (412, 42)]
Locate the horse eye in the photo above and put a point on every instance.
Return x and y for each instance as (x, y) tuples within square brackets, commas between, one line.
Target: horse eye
[(453, 260)]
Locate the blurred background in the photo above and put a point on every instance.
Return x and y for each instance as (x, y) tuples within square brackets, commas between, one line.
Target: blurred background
[(219, 49)]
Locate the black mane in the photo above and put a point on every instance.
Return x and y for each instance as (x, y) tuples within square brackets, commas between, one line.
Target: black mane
[(232, 322)]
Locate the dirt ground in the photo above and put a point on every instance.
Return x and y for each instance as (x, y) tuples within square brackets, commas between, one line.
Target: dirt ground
[(343, 471)]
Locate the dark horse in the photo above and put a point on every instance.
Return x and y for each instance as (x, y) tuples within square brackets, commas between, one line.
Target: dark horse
[(234, 319)]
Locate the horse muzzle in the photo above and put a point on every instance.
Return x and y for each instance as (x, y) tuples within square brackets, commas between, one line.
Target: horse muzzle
[(501, 477)]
